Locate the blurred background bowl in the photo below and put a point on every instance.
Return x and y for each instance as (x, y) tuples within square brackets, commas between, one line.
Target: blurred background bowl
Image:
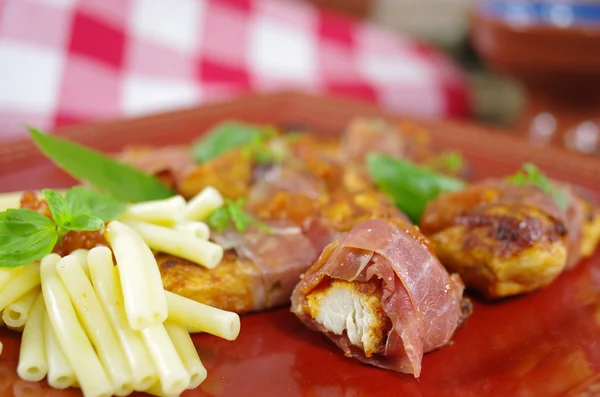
[(553, 49)]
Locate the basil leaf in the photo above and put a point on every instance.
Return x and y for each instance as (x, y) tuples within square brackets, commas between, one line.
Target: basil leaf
[(22, 222), (85, 222), (233, 212), (23, 251), (531, 175), (408, 185), (87, 201), (25, 236), (61, 212), (239, 217), (219, 219), (223, 137), (121, 180)]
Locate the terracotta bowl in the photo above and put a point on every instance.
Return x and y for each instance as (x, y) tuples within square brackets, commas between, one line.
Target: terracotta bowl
[(553, 49)]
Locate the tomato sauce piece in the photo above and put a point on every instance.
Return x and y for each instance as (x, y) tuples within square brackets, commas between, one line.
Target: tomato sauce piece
[(72, 240)]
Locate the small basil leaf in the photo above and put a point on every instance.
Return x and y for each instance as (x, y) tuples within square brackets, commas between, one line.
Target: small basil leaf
[(219, 219), (85, 222), (87, 201), (61, 212), (223, 137)]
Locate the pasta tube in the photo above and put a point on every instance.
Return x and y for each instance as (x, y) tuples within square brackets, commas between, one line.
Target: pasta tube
[(60, 371), (179, 244), (135, 273), (163, 212), (96, 324), (1, 347), (15, 315), (203, 204), (106, 284), (174, 378), (23, 282), (201, 317), (82, 255), (71, 337), (187, 352), (196, 229), (33, 365), (7, 274), (156, 390)]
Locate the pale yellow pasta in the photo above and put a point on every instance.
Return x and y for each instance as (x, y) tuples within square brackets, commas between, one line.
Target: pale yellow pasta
[(7, 274), (179, 244), (203, 204), (202, 317), (173, 376), (135, 272), (107, 286), (96, 324), (1, 347), (22, 283), (187, 352), (16, 329), (60, 372), (194, 228), (81, 255), (70, 335), (157, 300), (33, 365), (156, 390), (15, 314), (162, 212)]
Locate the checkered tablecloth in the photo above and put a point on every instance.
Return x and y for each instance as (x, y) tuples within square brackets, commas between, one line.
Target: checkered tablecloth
[(67, 61)]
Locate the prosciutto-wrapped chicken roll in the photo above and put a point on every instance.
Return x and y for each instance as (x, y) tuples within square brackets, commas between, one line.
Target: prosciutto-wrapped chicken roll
[(381, 295), (506, 239)]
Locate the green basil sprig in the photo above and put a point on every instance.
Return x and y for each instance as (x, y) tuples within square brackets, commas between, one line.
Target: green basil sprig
[(408, 185), (27, 235)]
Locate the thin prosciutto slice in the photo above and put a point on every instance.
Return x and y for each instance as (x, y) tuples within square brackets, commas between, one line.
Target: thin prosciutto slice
[(420, 298), (280, 254)]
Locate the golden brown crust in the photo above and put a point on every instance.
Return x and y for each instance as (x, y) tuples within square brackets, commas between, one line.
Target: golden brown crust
[(230, 174), (230, 286), (502, 250), (591, 229)]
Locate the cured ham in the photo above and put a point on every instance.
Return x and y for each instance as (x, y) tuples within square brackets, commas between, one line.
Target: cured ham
[(258, 271), (381, 295), (318, 186)]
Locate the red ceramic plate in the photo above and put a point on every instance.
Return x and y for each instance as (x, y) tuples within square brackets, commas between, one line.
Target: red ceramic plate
[(544, 344)]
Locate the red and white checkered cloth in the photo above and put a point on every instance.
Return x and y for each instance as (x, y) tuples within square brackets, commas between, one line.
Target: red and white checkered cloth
[(66, 61)]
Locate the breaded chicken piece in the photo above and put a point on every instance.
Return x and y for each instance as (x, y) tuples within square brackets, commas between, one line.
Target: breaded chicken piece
[(591, 229), (230, 286), (503, 250), (505, 239), (353, 308)]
